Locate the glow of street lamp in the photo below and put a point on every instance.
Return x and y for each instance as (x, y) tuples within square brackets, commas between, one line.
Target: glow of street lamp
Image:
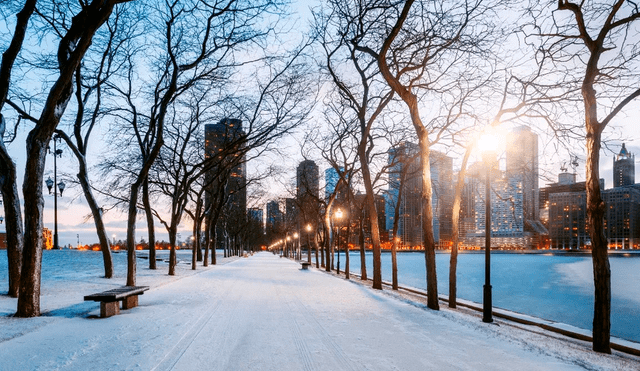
[(489, 142), (295, 235), (308, 227), (339, 213)]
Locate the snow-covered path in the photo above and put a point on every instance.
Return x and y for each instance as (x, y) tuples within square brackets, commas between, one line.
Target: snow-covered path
[(264, 313)]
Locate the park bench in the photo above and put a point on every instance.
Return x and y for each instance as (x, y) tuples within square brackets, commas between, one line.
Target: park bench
[(305, 265), (109, 300)]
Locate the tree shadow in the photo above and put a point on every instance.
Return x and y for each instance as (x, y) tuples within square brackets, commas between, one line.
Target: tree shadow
[(73, 311)]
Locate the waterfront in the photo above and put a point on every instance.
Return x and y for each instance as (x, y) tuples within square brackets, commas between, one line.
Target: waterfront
[(556, 287)]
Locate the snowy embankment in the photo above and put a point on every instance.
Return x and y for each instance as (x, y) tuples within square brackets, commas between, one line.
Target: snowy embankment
[(264, 313)]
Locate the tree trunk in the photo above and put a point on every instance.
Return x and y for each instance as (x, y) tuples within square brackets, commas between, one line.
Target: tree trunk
[(600, 258), (370, 204), (97, 218), (346, 252), (29, 295), (150, 224), (8, 184), (327, 244), (427, 224), (453, 264), (207, 243), (172, 250), (363, 262), (131, 235), (396, 222), (12, 217), (214, 242)]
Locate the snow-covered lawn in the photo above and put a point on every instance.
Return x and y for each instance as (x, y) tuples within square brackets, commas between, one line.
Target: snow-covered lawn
[(264, 313)]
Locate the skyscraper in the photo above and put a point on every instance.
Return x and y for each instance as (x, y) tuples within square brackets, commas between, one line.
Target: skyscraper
[(403, 158), (624, 170), (331, 178), (307, 176), (308, 190), (228, 173), (522, 163), (275, 220), (255, 215)]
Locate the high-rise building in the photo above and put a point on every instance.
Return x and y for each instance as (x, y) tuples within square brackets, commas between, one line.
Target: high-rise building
[(255, 215), (567, 224), (507, 219), (624, 169), (566, 184), (307, 176), (622, 217), (291, 214), (225, 140), (275, 220), (404, 159), (331, 178), (522, 163), (308, 191)]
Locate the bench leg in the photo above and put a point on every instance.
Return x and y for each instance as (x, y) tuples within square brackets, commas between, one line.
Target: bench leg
[(130, 302), (109, 309)]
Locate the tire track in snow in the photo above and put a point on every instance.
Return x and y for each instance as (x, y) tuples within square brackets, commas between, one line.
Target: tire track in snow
[(175, 354), (301, 344), (339, 355)]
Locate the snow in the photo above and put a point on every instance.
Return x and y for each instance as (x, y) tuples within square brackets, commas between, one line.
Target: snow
[(265, 313)]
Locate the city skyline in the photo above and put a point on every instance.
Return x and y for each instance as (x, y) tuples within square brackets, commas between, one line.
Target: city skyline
[(72, 208)]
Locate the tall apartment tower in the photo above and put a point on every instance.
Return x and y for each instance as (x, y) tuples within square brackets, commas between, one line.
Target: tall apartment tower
[(307, 176), (624, 171), (308, 189), (522, 164), (224, 139)]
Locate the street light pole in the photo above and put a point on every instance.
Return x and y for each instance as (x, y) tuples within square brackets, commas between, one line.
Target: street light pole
[(50, 184), (338, 219), (309, 243), (487, 315)]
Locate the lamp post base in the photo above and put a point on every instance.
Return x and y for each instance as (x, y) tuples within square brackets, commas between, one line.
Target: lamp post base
[(487, 313)]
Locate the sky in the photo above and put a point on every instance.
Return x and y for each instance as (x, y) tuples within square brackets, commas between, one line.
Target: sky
[(72, 209)]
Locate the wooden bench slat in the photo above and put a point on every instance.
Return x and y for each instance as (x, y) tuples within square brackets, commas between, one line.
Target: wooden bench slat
[(117, 293)]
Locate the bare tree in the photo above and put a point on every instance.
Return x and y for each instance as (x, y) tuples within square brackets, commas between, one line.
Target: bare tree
[(8, 184), (72, 47), (364, 93), (90, 80), (425, 49), (591, 46)]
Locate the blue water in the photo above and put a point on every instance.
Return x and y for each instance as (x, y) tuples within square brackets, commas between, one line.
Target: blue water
[(554, 287)]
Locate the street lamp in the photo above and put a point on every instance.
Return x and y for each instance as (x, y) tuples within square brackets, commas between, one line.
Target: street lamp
[(308, 228), (338, 218), (296, 243), (50, 183), (488, 143)]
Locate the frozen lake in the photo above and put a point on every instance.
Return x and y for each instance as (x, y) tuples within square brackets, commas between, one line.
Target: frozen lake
[(554, 287)]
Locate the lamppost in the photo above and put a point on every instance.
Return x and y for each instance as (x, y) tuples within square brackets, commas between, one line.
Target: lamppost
[(308, 228), (50, 183), (296, 243), (488, 144), (338, 216)]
